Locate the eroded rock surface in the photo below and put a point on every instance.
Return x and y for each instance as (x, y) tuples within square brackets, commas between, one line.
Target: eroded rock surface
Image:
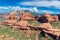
[(48, 18), (22, 24), (9, 22), (27, 16), (46, 25)]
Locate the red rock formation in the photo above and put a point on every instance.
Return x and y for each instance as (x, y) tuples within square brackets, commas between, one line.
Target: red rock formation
[(45, 25), (36, 18), (9, 22), (27, 16), (22, 24), (55, 32), (11, 16), (46, 28), (11, 19), (48, 18)]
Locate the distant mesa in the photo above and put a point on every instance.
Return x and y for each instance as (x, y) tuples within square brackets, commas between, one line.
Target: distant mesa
[(48, 18)]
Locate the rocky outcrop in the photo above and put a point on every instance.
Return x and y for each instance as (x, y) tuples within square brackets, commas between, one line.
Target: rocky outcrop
[(54, 33), (46, 28), (27, 16), (11, 19), (36, 18), (48, 18), (11, 16), (9, 22), (55, 18), (22, 24), (45, 25)]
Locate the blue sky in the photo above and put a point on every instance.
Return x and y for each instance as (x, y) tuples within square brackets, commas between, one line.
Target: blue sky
[(39, 6)]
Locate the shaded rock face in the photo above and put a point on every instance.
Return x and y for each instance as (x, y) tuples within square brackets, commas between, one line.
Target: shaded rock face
[(36, 18), (48, 18), (58, 16), (27, 16), (43, 19)]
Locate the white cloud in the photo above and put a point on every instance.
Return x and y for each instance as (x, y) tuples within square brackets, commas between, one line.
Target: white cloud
[(10, 7), (47, 11), (32, 9), (41, 3), (15, 8), (36, 10), (1, 7)]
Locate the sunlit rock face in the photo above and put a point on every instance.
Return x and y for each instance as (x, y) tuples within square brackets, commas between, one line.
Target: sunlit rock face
[(11, 19), (9, 22), (11, 16), (27, 16), (46, 25), (48, 18), (21, 24)]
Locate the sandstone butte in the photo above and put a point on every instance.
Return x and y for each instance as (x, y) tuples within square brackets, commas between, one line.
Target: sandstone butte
[(51, 18), (27, 16)]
